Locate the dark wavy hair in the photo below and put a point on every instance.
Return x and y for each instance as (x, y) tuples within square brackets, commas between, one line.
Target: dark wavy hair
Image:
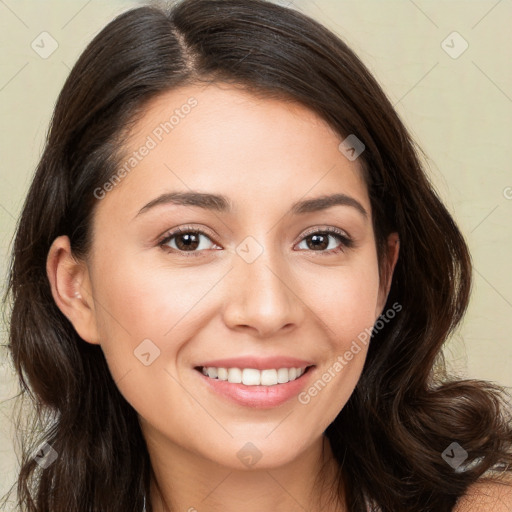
[(405, 410)]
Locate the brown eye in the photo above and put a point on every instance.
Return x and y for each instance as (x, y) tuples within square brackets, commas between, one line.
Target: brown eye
[(187, 240), (322, 241), (319, 241)]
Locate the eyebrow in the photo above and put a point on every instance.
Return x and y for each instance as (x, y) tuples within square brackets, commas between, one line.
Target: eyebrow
[(222, 204)]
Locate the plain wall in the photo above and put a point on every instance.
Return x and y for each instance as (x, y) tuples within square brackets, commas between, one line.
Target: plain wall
[(459, 110)]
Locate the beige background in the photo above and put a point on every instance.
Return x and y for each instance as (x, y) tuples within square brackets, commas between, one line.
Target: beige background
[(458, 109)]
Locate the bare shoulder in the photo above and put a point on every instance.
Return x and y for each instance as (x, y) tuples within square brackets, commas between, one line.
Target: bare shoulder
[(485, 495)]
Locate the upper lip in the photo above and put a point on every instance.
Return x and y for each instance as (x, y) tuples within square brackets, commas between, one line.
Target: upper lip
[(258, 363)]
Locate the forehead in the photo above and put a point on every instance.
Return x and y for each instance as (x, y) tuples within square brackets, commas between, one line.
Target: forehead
[(219, 139)]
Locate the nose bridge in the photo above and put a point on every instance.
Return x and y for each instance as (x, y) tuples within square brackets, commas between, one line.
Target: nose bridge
[(261, 292)]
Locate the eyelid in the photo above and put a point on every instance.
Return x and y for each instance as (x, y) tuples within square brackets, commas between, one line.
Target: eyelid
[(325, 229), (186, 229)]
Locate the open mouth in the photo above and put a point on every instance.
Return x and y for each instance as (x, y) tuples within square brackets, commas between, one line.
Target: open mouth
[(253, 377)]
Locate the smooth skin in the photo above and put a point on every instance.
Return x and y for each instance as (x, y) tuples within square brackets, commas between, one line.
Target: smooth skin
[(295, 299)]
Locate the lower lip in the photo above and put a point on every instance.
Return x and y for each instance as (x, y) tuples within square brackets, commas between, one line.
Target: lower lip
[(261, 397)]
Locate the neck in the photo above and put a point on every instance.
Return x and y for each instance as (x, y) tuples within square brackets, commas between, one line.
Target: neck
[(182, 480)]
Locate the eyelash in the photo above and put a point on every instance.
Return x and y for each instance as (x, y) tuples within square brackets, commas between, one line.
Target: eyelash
[(346, 242)]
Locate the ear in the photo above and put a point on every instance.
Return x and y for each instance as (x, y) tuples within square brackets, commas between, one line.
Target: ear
[(387, 269), (71, 289)]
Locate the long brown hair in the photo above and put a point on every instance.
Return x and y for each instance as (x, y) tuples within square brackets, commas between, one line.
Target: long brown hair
[(404, 412)]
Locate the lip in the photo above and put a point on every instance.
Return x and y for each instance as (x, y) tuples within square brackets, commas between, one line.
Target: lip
[(258, 363), (257, 397)]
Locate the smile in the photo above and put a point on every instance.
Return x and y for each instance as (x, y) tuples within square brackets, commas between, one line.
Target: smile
[(253, 376), (258, 389)]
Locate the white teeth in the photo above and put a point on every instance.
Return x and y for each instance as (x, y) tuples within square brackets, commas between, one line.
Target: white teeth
[(251, 377), (282, 375), (222, 374), (254, 377), (235, 375), (268, 377)]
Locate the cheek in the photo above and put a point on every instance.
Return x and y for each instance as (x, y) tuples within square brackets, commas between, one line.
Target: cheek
[(140, 300), (345, 302), (345, 298)]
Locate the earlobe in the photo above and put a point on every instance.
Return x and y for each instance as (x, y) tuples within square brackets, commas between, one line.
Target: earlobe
[(393, 249), (71, 290)]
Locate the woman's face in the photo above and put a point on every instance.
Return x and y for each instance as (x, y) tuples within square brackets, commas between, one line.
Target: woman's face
[(253, 276)]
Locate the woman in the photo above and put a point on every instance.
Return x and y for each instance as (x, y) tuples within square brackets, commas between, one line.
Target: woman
[(232, 280)]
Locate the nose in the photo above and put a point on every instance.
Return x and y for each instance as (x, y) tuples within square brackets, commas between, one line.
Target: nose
[(262, 296)]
